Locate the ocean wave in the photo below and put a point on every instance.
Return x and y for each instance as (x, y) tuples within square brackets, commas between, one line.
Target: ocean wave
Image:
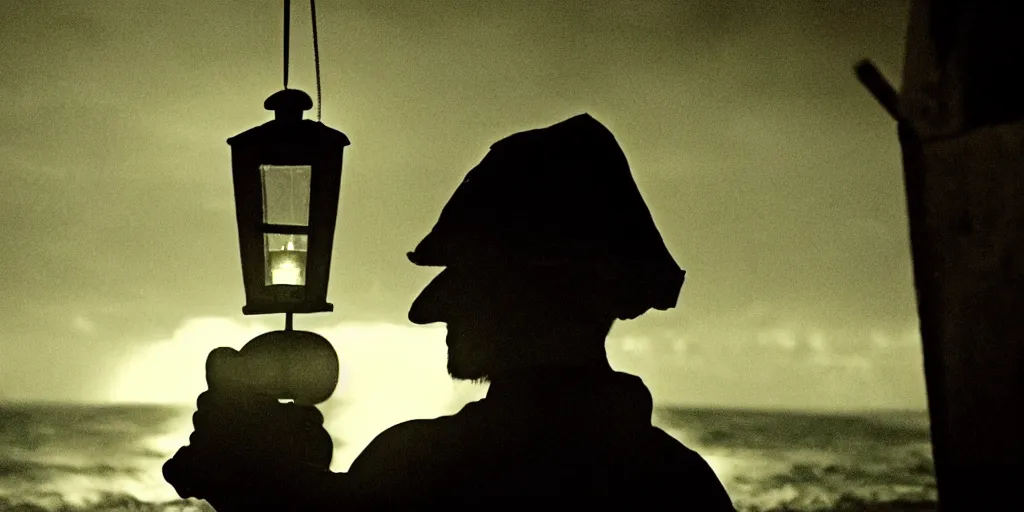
[(849, 503), (86, 458), (775, 430), (128, 503), (783, 461), (109, 502)]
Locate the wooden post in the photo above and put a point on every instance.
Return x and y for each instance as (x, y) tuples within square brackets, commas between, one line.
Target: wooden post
[(961, 129)]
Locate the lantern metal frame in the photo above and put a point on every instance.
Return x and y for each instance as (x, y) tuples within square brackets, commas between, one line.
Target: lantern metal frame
[(288, 140)]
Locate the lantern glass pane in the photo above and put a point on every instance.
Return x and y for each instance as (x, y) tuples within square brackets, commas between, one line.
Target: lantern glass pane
[(286, 194), (285, 258)]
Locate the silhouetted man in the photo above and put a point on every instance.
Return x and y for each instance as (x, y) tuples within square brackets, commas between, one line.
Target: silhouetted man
[(546, 243)]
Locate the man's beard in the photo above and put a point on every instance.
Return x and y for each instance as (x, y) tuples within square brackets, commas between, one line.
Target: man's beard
[(467, 363), (459, 371)]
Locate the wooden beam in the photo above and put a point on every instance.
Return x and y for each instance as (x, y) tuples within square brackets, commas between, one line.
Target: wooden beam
[(961, 130), (879, 87)]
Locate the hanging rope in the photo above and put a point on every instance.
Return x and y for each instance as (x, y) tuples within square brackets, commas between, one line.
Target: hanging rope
[(287, 20), (316, 56), (316, 49)]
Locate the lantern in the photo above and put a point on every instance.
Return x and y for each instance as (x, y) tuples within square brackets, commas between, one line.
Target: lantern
[(287, 178)]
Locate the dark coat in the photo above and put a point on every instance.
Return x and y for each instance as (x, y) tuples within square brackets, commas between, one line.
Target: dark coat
[(581, 439)]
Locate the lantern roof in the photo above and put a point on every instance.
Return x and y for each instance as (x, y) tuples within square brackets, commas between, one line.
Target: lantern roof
[(288, 124), (284, 131)]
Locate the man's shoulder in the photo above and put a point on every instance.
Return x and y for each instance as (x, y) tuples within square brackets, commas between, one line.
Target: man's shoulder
[(416, 459), (431, 430), (410, 445), (673, 446), (675, 454), (683, 466)]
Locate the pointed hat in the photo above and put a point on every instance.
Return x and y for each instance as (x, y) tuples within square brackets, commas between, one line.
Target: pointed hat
[(557, 196)]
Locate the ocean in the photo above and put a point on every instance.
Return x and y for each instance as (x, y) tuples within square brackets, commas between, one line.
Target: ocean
[(108, 458)]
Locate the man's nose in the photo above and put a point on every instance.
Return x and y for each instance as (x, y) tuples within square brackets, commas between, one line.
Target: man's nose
[(427, 308), (420, 318), (433, 303), (420, 315)]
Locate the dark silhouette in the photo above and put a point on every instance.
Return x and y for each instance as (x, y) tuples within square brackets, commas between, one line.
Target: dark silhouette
[(546, 243)]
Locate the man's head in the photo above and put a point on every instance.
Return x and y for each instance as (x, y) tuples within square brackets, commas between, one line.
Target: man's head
[(502, 320), (545, 242)]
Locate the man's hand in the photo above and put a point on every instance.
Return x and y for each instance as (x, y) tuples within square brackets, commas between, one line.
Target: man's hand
[(249, 450)]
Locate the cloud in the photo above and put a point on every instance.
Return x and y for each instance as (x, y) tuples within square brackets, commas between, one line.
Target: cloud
[(173, 370), (83, 324), (816, 342), (680, 347), (793, 366), (880, 339), (635, 345), (391, 372), (778, 337)]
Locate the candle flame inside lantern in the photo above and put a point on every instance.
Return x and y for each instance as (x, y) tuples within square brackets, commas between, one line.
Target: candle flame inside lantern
[(286, 273)]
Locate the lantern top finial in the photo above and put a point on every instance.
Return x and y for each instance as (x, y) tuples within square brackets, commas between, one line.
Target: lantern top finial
[(288, 104)]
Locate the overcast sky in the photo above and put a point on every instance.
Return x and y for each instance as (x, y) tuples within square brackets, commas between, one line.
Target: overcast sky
[(774, 177)]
